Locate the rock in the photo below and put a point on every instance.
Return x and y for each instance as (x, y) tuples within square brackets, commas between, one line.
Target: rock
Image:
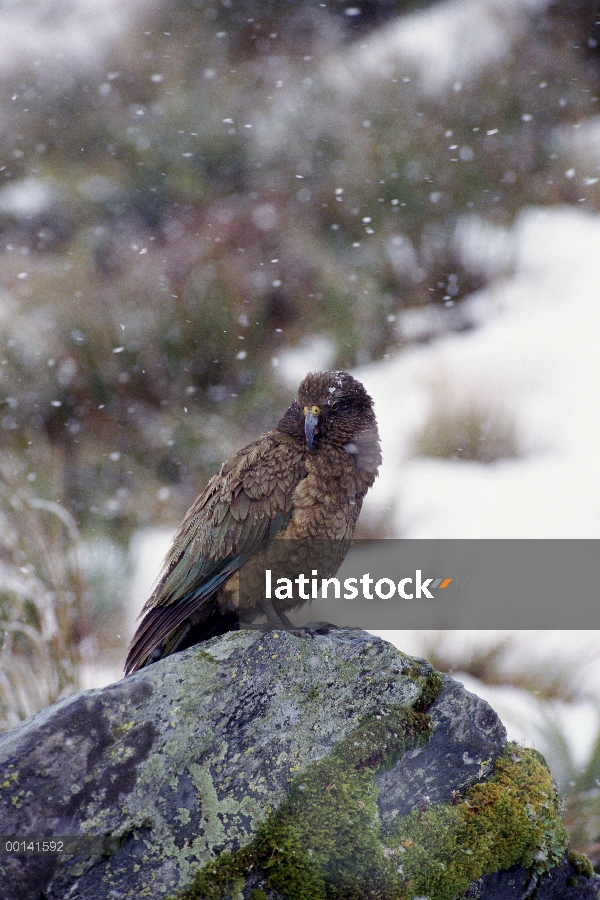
[(290, 765)]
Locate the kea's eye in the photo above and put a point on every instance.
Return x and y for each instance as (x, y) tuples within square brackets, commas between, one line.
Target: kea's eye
[(335, 404)]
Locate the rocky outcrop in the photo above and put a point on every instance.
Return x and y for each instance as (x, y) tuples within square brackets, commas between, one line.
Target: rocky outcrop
[(293, 765)]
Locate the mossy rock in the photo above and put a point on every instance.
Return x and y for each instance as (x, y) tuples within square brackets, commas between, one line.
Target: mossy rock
[(326, 841), (316, 763)]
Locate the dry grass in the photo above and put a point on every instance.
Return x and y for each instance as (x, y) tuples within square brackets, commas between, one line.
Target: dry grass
[(506, 659), (464, 426), (41, 600)]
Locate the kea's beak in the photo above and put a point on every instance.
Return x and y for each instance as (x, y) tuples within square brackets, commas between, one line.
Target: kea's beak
[(310, 424)]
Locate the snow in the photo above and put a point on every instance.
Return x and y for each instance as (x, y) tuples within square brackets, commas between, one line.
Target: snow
[(27, 198), (535, 357), (61, 37), (442, 46), (314, 354), (581, 145), (536, 351)]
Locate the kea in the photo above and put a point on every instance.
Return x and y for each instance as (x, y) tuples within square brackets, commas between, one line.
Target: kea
[(300, 484)]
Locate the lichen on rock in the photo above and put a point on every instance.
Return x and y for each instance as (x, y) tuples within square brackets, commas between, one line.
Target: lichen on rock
[(325, 835), (325, 841)]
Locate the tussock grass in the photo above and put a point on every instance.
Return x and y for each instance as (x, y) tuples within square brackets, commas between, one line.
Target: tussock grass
[(470, 428), (41, 600)]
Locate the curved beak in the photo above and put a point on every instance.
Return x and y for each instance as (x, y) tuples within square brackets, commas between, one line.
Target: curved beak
[(310, 424)]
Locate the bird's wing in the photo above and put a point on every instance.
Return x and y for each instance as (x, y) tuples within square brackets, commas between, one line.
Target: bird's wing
[(242, 508)]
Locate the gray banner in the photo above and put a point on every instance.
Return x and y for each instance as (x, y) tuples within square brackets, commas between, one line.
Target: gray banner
[(453, 584)]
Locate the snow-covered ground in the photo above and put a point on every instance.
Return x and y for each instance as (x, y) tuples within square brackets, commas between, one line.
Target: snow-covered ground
[(535, 357), (60, 39), (446, 44), (536, 353)]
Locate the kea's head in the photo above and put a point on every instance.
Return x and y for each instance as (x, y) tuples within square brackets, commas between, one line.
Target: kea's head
[(333, 409)]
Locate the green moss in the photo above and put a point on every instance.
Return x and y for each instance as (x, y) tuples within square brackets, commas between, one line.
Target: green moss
[(512, 819), (431, 688), (323, 842), (581, 864)]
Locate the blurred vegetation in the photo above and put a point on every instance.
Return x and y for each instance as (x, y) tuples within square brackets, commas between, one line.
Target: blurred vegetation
[(233, 181), (43, 619)]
